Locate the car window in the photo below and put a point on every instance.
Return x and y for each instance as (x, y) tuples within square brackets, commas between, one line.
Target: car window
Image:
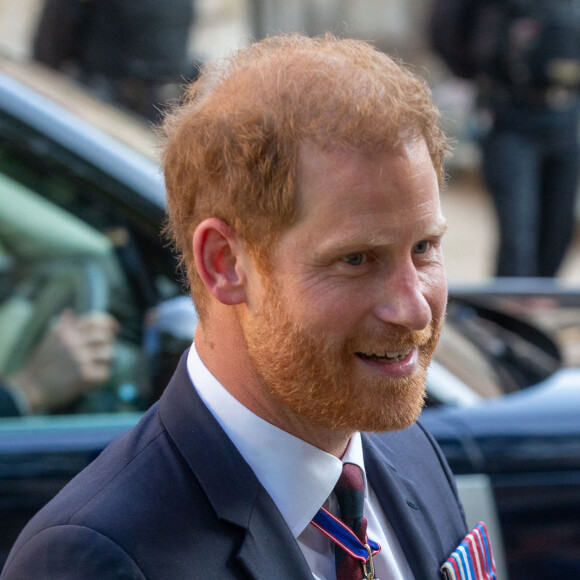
[(73, 237)]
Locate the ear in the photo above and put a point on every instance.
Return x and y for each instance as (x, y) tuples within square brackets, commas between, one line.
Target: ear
[(217, 250)]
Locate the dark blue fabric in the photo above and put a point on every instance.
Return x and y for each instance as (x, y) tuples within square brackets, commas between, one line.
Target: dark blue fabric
[(173, 499), (417, 493)]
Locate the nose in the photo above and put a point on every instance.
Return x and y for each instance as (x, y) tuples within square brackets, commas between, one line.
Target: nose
[(402, 299)]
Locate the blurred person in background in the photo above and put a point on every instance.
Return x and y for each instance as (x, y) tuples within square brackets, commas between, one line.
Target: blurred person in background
[(134, 53), (56, 338), (524, 56), (73, 358)]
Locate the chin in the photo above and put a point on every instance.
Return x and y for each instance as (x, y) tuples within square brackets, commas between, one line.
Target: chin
[(391, 409)]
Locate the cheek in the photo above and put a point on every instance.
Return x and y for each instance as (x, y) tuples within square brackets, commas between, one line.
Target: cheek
[(328, 309)]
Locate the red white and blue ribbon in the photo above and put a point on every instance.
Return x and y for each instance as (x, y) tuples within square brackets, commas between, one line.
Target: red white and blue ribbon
[(343, 536), (472, 559)]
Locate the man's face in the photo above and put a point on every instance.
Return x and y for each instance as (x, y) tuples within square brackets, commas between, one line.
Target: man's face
[(350, 315)]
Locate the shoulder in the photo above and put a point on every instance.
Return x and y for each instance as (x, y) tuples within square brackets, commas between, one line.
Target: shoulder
[(113, 510), (138, 507), (69, 551), (89, 503)]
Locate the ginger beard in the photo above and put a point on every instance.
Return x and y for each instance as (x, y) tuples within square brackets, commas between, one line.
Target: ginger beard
[(320, 380)]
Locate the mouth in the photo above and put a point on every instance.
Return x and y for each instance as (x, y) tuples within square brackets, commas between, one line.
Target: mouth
[(385, 357)]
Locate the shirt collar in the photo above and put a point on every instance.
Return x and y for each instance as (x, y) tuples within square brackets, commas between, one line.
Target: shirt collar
[(298, 476)]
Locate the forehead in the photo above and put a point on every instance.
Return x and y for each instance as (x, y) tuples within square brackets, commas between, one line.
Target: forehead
[(386, 188)]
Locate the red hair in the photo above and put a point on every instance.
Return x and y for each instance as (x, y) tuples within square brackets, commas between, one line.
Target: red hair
[(231, 148)]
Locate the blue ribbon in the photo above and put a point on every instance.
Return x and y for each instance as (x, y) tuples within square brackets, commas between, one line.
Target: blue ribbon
[(343, 536)]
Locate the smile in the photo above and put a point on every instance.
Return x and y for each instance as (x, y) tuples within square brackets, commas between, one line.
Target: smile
[(386, 356)]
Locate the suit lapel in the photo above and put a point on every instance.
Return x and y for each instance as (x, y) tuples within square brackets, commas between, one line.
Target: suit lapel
[(398, 496), (269, 549)]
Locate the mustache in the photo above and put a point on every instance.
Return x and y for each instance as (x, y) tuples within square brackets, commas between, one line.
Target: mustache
[(391, 339)]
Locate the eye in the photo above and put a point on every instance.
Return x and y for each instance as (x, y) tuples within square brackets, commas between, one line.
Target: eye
[(355, 259), (422, 247)]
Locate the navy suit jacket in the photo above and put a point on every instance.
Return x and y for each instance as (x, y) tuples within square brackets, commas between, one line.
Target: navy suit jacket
[(173, 498)]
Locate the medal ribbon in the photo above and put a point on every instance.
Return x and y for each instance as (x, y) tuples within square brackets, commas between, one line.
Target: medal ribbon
[(343, 536)]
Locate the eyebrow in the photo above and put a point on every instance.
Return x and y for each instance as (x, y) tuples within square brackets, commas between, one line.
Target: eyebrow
[(439, 229), (365, 242)]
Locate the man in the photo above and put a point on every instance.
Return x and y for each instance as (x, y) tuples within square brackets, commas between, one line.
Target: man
[(303, 182)]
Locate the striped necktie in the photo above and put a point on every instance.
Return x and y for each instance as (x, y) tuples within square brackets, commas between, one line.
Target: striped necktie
[(349, 492)]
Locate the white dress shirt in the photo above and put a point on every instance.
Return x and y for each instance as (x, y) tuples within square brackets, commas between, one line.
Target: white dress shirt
[(299, 478)]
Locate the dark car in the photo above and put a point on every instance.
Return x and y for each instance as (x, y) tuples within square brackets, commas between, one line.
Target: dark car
[(518, 343), (504, 390)]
